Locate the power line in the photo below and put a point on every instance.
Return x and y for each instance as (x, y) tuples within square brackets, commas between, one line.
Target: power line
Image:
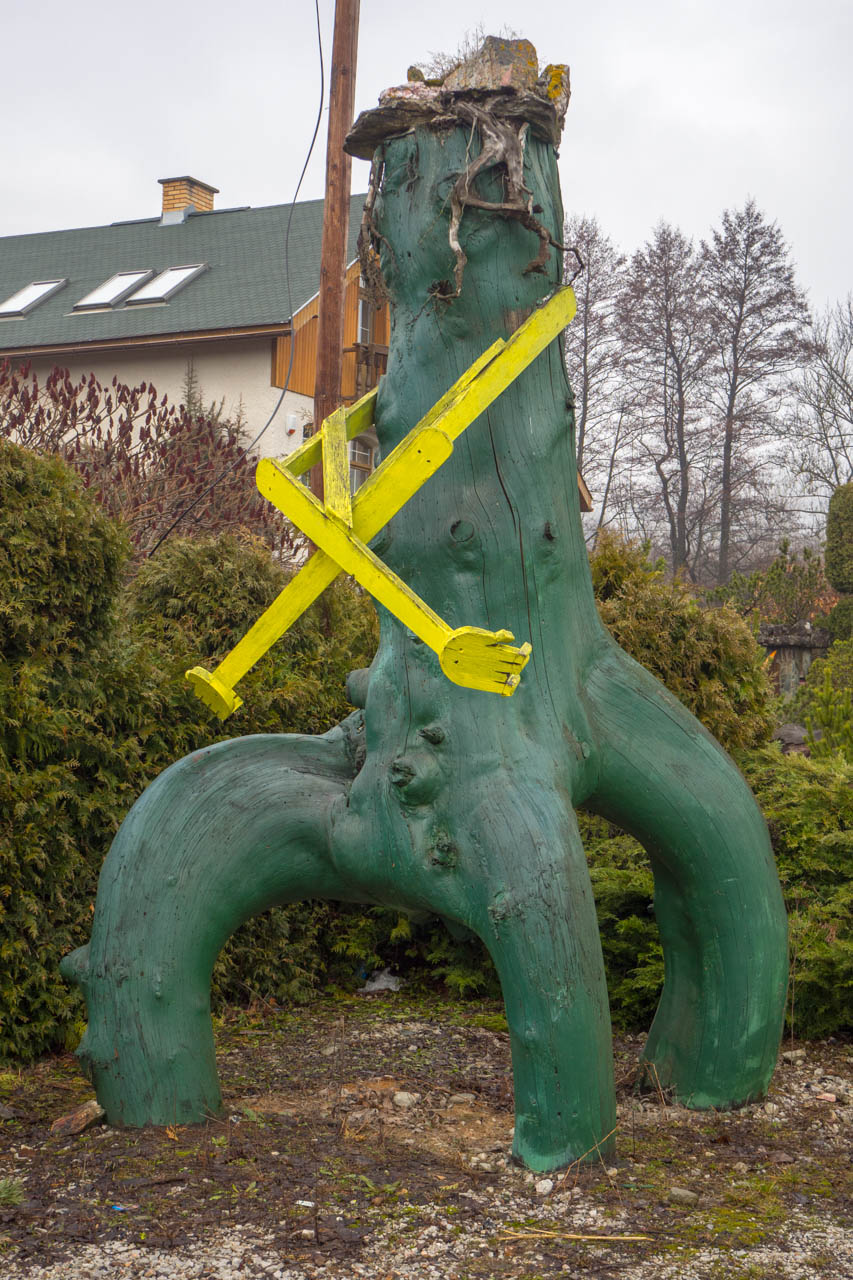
[(249, 447)]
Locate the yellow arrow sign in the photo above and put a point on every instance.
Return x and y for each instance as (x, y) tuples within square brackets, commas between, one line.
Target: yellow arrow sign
[(469, 656)]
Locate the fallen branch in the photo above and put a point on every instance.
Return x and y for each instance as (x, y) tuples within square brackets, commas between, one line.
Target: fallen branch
[(567, 1235)]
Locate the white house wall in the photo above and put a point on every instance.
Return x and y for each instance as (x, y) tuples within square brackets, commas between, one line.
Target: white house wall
[(236, 373)]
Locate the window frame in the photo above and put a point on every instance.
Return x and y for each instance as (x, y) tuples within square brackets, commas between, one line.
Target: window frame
[(358, 469), (142, 276), (51, 287), (195, 269)]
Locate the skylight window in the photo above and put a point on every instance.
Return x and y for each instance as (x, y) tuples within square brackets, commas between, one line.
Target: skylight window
[(113, 290), (30, 296), (162, 287)]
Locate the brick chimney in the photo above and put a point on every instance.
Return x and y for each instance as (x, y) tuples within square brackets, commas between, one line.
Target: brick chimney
[(179, 193)]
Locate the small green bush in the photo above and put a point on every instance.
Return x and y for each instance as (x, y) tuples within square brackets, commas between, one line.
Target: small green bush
[(839, 560), (624, 893), (838, 665), (791, 590), (195, 598), (614, 563), (830, 724)]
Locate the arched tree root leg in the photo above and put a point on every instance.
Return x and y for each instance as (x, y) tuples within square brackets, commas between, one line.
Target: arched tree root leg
[(716, 1034), (218, 837), (540, 926)]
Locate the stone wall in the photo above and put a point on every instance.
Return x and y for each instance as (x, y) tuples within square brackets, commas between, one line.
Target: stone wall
[(793, 649)]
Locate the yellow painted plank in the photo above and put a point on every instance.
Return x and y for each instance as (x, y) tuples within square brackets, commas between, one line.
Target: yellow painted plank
[(336, 490), (309, 454), (299, 594), (452, 394), (348, 551), (470, 656), (405, 470), (528, 341), (401, 474), (360, 415)]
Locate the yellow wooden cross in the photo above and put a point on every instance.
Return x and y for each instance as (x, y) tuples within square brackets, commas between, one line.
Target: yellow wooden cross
[(342, 526)]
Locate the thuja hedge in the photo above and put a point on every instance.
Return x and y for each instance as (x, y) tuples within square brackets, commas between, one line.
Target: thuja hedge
[(710, 659), (808, 805), (92, 707), (839, 560)]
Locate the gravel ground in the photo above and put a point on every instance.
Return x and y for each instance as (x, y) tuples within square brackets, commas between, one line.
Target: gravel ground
[(370, 1138)]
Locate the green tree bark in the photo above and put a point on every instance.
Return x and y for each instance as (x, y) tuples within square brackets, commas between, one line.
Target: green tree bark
[(462, 803)]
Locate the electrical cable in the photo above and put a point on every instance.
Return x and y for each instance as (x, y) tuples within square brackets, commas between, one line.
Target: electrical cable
[(249, 447)]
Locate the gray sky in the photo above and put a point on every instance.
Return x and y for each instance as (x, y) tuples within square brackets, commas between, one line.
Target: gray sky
[(680, 108)]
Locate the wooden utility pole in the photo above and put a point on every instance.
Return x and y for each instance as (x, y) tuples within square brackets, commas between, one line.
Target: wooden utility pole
[(330, 325)]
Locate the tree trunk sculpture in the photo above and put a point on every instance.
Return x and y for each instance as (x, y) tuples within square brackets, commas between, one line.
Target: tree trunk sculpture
[(441, 799)]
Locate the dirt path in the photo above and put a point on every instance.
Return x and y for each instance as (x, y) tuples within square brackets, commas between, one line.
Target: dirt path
[(369, 1137)]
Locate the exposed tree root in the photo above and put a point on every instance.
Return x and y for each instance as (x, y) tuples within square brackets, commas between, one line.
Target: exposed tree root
[(503, 143)]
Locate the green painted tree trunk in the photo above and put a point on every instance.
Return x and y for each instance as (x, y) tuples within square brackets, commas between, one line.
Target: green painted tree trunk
[(463, 803)]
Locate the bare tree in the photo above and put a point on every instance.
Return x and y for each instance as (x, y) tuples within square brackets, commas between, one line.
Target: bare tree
[(756, 316), (664, 332), (818, 439), (592, 343), (603, 401)]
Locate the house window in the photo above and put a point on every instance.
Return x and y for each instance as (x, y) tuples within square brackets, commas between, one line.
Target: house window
[(366, 313), (370, 358), (30, 296), (361, 455), (166, 284), (113, 290)]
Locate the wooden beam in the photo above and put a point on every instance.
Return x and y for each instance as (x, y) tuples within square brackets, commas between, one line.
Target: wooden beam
[(147, 340), (585, 495), (330, 337)]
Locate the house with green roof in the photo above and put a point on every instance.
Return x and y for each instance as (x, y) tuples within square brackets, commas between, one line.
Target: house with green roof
[(194, 291), (203, 295)]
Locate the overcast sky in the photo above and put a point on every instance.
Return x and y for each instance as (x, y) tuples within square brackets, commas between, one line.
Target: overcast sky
[(680, 108)]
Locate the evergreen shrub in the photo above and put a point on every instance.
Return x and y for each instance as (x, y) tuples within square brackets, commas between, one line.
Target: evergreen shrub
[(830, 724), (808, 805), (840, 620), (708, 658), (93, 706), (839, 560), (794, 588), (193, 600), (828, 681), (839, 539), (61, 557), (64, 778)]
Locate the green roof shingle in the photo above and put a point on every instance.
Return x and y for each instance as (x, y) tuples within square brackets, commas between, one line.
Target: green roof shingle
[(245, 286)]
